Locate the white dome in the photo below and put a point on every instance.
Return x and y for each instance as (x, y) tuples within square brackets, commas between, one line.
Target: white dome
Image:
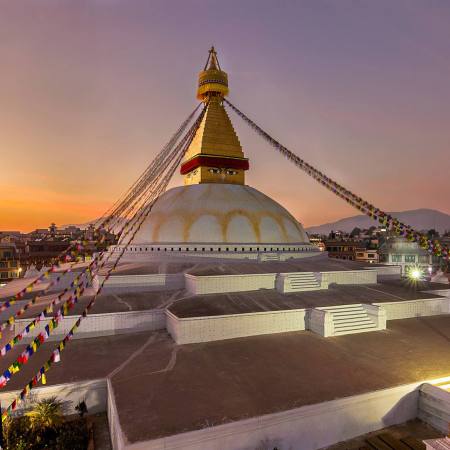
[(219, 213)]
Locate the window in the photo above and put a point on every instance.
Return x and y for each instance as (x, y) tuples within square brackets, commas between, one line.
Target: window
[(410, 258), (371, 255), (396, 258), (360, 255)]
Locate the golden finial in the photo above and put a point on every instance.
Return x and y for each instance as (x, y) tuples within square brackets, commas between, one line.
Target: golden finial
[(212, 80)]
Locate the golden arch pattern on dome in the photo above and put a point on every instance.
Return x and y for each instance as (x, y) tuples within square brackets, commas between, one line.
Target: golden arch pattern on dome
[(219, 213), (189, 220)]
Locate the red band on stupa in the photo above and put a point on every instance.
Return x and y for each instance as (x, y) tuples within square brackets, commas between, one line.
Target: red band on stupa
[(213, 161)]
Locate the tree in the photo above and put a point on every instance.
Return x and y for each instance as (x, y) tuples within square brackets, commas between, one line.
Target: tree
[(46, 413), (433, 234), (355, 232)]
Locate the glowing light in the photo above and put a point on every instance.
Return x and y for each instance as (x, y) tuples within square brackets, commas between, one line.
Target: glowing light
[(415, 273)]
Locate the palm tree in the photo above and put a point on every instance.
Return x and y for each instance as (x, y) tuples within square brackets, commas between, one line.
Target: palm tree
[(46, 413)]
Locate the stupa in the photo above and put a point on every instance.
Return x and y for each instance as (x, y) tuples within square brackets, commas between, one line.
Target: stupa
[(215, 213)]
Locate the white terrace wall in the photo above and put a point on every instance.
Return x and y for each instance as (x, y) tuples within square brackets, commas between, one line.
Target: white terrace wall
[(309, 427), (387, 271), (198, 285), (93, 392), (229, 283), (434, 407), (101, 324), (213, 328), (152, 281), (350, 277), (415, 308), (115, 430)]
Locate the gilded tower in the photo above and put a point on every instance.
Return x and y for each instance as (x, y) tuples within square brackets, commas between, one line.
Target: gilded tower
[(215, 154)]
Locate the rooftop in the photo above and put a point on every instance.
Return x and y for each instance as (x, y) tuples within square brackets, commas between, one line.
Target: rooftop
[(245, 377), (271, 300)]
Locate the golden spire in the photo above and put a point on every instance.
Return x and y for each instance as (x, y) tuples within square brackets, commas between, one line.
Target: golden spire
[(215, 154), (212, 80)]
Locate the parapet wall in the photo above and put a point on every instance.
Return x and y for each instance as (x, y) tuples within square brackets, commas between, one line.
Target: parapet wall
[(93, 392), (415, 308), (158, 281), (350, 277), (95, 325), (197, 285), (213, 328), (214, 284), (345, 418)]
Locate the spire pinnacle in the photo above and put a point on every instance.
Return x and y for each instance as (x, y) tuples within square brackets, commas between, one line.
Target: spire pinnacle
[(212, 80), (212, 63)]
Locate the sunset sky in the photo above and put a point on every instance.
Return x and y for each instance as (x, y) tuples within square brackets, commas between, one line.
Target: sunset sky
[(90, 90)]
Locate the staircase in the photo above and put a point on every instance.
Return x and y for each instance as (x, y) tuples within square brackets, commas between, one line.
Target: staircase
[(348, 319), (297, 282)]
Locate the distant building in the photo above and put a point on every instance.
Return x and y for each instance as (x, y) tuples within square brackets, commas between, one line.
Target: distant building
[(366, 255), (9, 262), (350, 250), (341, 249), (399, 251), (318, 242)]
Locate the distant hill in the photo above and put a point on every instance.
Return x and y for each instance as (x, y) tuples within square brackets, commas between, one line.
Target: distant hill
[(420, 219)]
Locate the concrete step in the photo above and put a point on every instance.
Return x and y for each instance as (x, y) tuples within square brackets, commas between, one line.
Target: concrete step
[(362, 326), (340, 307), (350, 319), (354, 313), (312, 288), (365, 330), (302, 277)]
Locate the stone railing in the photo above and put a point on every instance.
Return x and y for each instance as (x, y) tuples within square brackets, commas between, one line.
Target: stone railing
[(350, 277), (216, 284), (377, 315), (415, 308), (212, 328), (321, 322), (100, 324)]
